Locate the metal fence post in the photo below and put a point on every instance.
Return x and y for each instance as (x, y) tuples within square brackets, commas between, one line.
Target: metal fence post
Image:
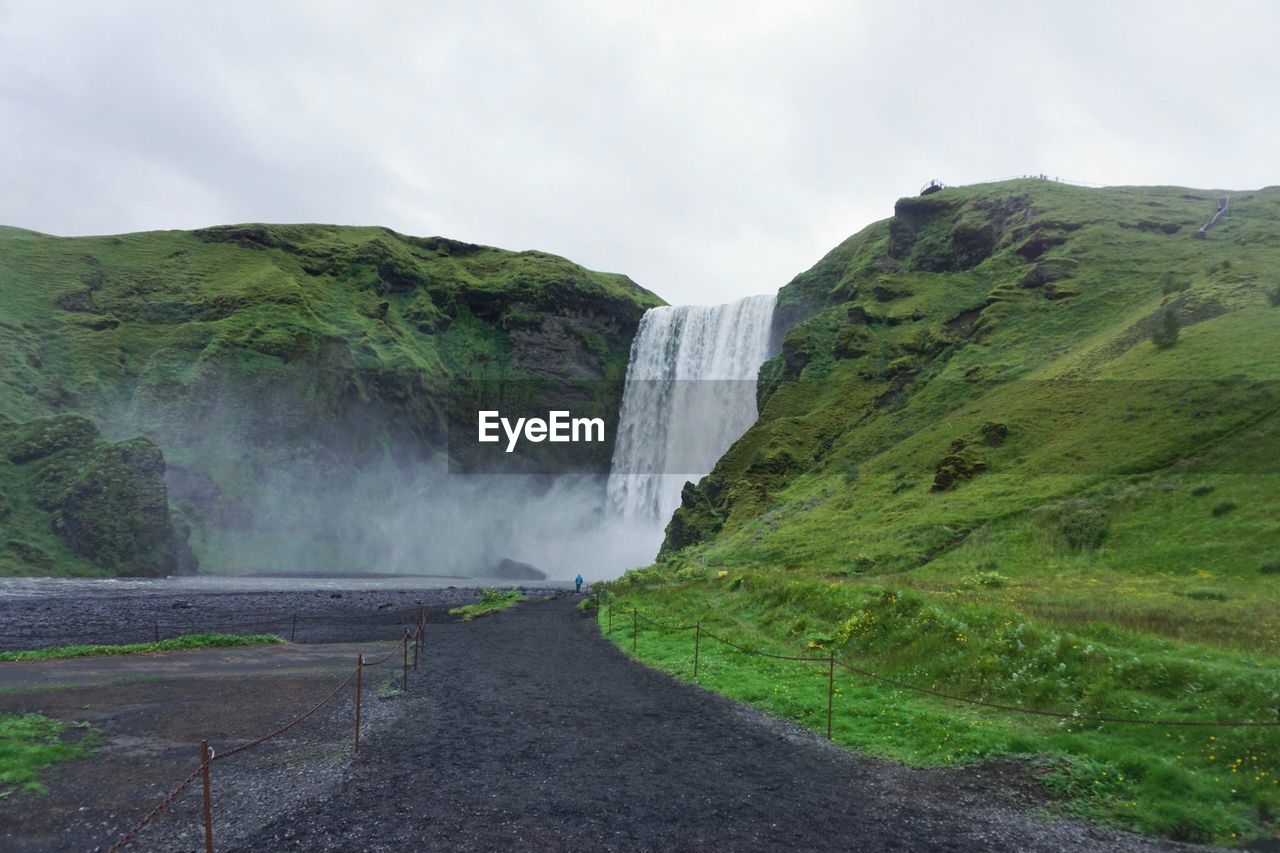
[(404, 677), (359, 674), (697, 647), (634, 624), (208, 798), (831, 690), (293, 628), (156, 626)]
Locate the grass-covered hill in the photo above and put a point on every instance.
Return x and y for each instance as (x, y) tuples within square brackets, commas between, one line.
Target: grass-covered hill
[(1022, 444), (239, 351)]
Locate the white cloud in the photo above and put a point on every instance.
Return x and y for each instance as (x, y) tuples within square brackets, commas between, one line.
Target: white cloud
[(708, 150)]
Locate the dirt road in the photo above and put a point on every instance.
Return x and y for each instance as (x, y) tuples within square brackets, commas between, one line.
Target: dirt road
[(533, 733)]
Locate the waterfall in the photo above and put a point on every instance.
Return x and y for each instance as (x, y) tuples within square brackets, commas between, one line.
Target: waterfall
[(690, 393)]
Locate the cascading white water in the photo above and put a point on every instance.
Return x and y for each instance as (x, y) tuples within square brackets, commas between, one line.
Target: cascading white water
[(690, 393)]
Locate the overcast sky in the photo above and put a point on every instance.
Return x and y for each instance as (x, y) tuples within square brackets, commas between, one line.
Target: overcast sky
[(708, 150)]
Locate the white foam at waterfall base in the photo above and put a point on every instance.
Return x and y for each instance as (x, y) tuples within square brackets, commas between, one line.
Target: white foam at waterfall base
[(690, 393)]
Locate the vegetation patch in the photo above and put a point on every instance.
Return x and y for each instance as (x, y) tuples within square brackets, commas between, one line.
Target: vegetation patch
[(1191, 783), (29, 743), (188, 641), (1165, 333), (1084, 525), (491, 601)]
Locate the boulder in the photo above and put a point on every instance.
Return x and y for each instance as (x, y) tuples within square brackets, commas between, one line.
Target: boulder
[(514, 570)]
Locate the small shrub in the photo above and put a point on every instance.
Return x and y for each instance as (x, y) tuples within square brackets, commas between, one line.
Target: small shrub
[(1222, 508), (1085, 526), (1201, 491), (691, 573), (990, 580), (1270, 568), (850, 473), (1171, 284), (1274, 296), (1165, 334)]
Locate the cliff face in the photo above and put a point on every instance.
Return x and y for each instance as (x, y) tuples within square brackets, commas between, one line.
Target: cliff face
[(947, 349), (242, 352), (71, 497)]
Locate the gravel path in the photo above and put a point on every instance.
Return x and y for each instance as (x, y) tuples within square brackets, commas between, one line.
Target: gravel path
[(530, 732)]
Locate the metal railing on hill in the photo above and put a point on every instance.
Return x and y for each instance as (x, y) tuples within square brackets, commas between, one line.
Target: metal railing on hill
[(832, 663)]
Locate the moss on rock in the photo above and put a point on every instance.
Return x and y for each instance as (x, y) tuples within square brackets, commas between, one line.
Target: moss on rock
[(105, 501)]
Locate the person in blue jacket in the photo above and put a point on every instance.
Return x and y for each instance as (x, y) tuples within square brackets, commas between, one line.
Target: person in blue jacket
[(577, 582)]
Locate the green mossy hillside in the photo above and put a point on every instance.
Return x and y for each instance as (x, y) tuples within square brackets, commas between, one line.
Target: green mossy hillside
[(321, 351), (1020, 445), (986, 355)]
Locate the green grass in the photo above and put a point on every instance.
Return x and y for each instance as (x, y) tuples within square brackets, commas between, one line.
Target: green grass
[(491, 601), (971, 467), (188, 641), (29, 743), (1189, 783)]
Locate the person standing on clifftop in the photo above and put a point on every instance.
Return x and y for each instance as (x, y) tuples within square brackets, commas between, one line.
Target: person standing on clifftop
[(577, 583)]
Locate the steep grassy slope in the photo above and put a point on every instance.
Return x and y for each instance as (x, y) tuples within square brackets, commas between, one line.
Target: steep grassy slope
[(269, 362), (975, 469)]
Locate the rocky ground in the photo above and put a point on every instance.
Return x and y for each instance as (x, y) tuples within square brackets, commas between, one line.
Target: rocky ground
[(31, 622), (524, 731)]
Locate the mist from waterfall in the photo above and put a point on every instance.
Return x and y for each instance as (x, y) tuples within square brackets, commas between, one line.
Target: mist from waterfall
[(690, 393)]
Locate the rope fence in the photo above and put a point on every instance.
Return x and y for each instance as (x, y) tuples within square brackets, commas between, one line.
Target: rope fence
[(414, 639), (156, 630), (832, 663)]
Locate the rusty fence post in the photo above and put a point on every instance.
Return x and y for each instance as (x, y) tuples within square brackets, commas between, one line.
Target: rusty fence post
[(831, 689), (404, 677), (359, 676), (156, 626), (208, 797), (697, 647), (634, 628), (293, 628)]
